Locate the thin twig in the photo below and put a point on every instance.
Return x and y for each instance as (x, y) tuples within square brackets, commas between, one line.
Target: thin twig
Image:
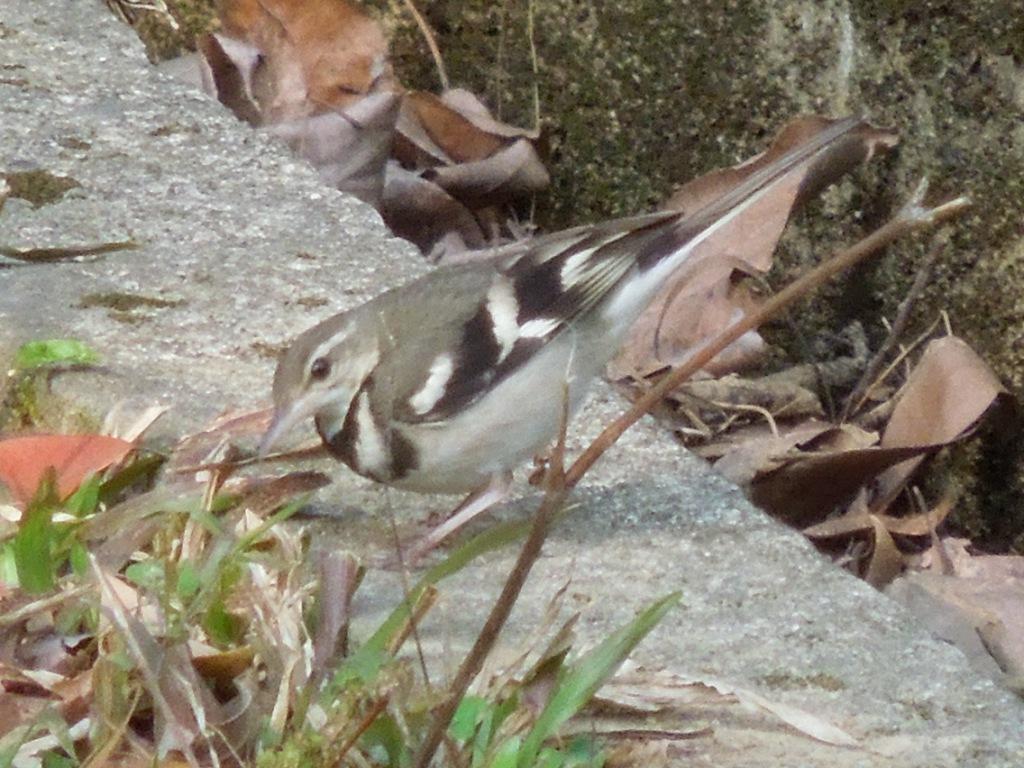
[(43, 604), (905, 350), (924, 272), (375, 711), (499, 62), (750, 408), (535, 67), (911, 217), (555, 495), (428, 35), (403, 576)]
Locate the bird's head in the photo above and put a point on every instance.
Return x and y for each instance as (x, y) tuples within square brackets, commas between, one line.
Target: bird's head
[(320, 373)]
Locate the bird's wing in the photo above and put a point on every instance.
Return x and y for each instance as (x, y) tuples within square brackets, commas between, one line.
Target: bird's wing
[(531, 297)]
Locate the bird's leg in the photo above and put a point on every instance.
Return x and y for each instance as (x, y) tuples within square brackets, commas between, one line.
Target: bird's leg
[(480, 500)]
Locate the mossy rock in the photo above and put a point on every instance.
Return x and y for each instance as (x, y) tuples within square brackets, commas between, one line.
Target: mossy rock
[(171, 33)]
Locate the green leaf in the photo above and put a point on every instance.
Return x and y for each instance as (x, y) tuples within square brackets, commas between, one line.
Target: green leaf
[(507, 755), (224, 627), (8, 566), (86, 499), (144, 467), (467, 716), (489, 726), (384, 735), (188, 580), (581, 680), (146, 573), (79, 557), (36, 354), (33, 544), (54, 760)]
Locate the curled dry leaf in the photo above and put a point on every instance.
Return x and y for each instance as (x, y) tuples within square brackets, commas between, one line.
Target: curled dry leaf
[(474, 162), (886, 561), (649, 691), (419, 210), (755, 455), (227, 68), (315, 55), (949, 389), (316, 73), (511, 173), (470, 107), (947, 392), (982, 613), (858, 521), (208, 444), (433, 133), (24, 461), (349, 148), (672, 325), (455, 127)]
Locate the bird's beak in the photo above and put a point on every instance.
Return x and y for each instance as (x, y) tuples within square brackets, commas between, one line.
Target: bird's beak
[(285, 418)]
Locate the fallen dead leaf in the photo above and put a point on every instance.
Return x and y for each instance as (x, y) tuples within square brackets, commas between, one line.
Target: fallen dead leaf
[(419, 210), (649, 691), (948, 390), (886, 561), (983, 615), (350, 147), (672, 325), (316, 55), (856, 520), (24, 461)]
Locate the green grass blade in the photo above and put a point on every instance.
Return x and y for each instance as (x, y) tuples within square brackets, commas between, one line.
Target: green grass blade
[(580, 681), (364, 663), (33, 544)]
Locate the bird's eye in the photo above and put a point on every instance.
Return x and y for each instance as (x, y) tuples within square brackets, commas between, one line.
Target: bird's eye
[(320, 368)]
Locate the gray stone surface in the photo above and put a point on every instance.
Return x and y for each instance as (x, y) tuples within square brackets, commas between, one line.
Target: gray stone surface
[(256, 250)]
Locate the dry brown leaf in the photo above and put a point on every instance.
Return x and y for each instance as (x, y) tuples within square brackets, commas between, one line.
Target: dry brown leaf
[(419, 210), (886, 560), (948, 390), (435, 133), (209, 444), (808, 487), (648, 691), (349, 148), (317, 54), (752, 456), (712, 303), (339, 575), (224, 666), (227, 68), (858, 521), (982, 614), (181, 704), (667, 329), (510, 173)]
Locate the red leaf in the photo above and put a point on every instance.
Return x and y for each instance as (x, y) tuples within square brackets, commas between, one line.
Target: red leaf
[(23, 460)]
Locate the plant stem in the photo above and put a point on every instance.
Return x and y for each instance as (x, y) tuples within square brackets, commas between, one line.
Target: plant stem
[(911, 217)]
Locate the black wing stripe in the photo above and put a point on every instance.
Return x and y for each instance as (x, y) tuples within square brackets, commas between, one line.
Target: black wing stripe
[(538, 285), (476, 361)]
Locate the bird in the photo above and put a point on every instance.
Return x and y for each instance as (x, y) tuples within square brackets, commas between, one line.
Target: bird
[(448, 383)]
